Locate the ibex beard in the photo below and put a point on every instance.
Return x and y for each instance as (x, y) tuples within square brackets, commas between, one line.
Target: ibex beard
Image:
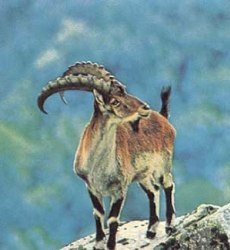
[(125, 141)]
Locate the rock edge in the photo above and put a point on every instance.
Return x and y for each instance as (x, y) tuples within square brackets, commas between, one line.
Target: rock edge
[(207, 227)]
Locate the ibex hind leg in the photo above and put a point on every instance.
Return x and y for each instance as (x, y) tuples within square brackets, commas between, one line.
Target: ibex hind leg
[(113, 220), (153, 194), (99, 212), (169, 189)]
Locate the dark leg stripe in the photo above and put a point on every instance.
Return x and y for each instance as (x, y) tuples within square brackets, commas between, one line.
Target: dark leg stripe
[(153, 216), (112, 235), (116, 207), (96, 203), (115, 210), (99, 227), (152, 207), (169, 206), (84, 178), (144, 188), (100, 234)]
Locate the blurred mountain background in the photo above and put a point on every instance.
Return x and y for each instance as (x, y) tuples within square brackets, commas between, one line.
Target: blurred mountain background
[(146, 44)]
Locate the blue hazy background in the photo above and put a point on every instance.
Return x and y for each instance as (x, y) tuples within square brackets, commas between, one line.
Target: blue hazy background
[(146, 44)]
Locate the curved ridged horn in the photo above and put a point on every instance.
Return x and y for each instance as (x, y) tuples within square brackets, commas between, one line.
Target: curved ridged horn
[(81, 76), (94, 69), (89, 68), (71, 82)]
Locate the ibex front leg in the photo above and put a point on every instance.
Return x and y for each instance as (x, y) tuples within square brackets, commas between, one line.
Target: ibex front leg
[(113, 221), (99, 212)]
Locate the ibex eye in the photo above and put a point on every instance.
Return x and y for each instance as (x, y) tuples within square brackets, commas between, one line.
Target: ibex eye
[(115, 102)]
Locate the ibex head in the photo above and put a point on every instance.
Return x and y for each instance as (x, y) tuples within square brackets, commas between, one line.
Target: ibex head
[(120, 106), (111, 98)]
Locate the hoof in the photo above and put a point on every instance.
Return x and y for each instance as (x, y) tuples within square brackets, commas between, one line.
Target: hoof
[(100, 245), (150, 235), (170, 230)]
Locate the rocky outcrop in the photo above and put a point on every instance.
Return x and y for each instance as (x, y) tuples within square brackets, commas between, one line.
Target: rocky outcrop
[(207, 227)]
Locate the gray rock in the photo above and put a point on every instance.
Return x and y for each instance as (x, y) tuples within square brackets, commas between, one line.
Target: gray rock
[(207, 227)]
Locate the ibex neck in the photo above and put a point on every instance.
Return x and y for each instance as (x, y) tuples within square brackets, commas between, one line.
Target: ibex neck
[(100, 121)]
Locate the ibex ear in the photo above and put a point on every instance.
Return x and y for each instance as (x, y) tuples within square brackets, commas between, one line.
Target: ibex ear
[(98, 97)]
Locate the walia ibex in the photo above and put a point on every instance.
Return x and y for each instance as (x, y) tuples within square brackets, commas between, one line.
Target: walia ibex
[(125, 141)]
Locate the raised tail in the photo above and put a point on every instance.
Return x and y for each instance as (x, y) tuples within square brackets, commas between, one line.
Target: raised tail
[(165, 95)]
